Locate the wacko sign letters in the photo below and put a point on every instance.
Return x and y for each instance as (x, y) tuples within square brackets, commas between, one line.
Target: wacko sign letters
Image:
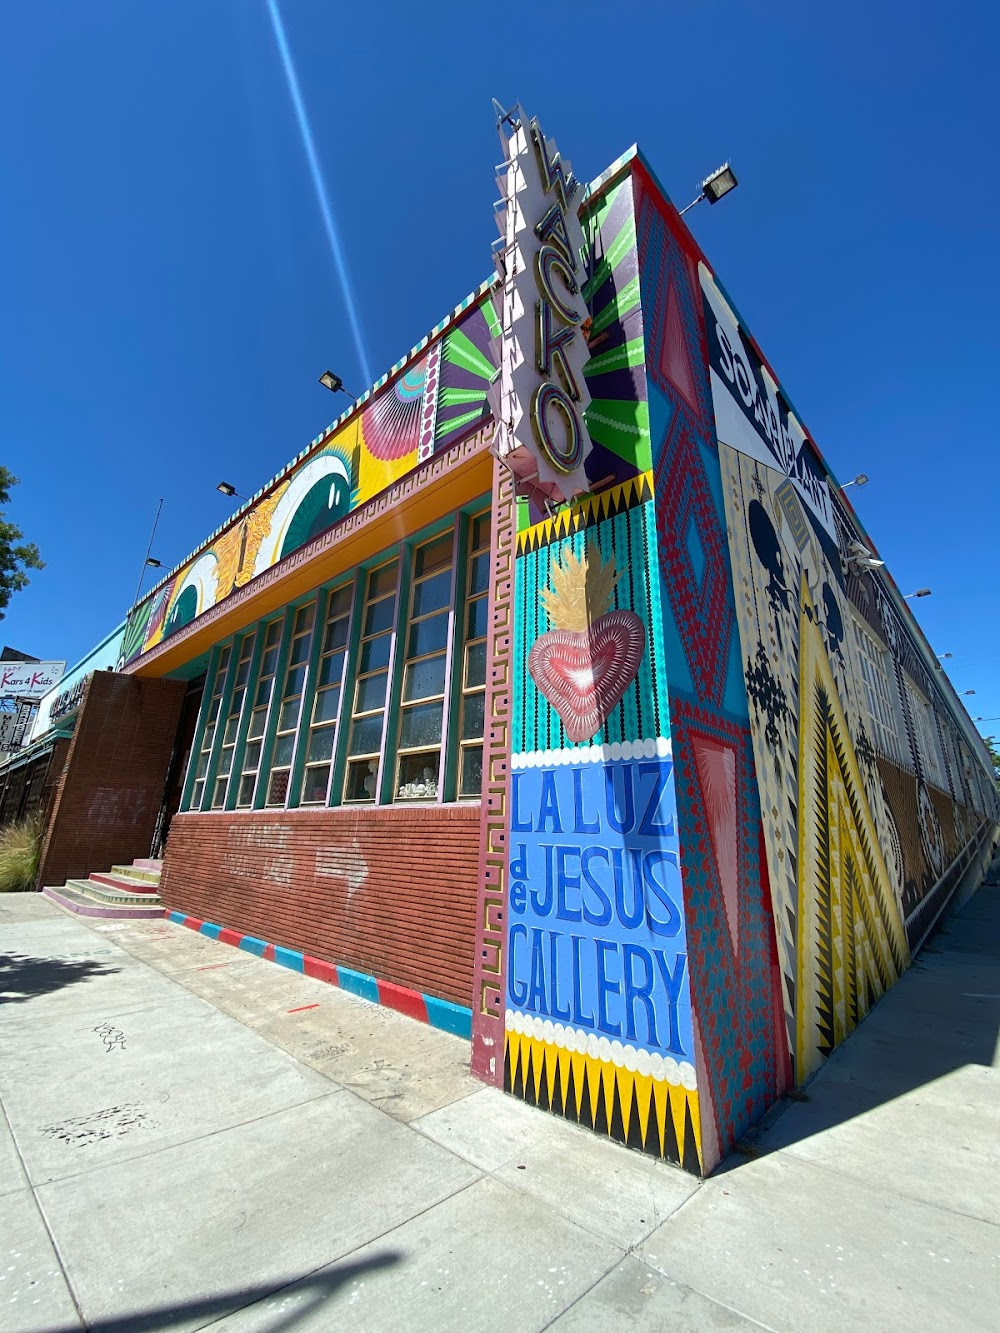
[(541, 395)]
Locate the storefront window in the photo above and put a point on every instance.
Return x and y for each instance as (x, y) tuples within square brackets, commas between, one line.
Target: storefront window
[(258, 715), (374, 691), (210, 726), (224, 767), (473, 714), (322, 732), (371, 684), (425, 671), (290, 707)]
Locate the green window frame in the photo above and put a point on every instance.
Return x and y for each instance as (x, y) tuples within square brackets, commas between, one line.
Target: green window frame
[(295, 682), (374, 666), (258, 713), (233, 715), (208, 728), (367, 691), (472, 686), (425, 676), (321, 719)]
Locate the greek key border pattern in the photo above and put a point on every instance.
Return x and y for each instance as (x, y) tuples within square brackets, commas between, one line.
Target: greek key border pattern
[(491, 901)]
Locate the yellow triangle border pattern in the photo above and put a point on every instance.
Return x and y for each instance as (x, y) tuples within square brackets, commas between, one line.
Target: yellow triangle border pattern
[(659, 1118), (586, 512)]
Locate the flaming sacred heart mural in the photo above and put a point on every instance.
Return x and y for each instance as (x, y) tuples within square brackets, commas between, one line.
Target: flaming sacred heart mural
[(587, 661)]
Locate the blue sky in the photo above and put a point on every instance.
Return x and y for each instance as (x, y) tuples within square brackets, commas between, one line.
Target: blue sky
[(169, 294)]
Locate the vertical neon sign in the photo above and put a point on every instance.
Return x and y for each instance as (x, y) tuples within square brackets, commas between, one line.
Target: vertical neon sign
[(541, 396)]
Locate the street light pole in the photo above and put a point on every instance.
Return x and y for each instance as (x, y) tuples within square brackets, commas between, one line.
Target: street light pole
[(145, 562)]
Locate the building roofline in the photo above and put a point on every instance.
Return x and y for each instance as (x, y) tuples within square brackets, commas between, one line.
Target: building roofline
[(337, 424)]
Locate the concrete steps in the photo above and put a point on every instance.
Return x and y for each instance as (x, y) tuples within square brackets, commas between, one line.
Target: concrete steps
[(103, 893), (144, 873), (82, 905), (124, 892), (126, 883)]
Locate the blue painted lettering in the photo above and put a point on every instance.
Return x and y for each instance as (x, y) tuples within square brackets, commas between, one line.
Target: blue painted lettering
[(606, 986), (602, 916), (566, 881), (639, 991), (581, 824)]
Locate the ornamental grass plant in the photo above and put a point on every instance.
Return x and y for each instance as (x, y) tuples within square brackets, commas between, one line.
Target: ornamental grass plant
[(20, 846)]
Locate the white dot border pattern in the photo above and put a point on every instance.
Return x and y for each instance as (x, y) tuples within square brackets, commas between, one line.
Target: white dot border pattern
[(664, 1069), (652, 748)]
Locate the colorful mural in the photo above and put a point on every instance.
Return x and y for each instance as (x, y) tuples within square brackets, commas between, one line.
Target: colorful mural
[(738, 1031), (436, 399), (598, 1007), (854, 843), (618, 415)]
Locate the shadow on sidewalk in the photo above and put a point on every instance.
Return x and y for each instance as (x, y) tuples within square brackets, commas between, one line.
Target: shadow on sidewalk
[(23, 977), (315, 1289), (942, 1016)]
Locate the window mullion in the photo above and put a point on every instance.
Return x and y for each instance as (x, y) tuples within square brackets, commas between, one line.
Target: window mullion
[(449, 716), (220, 728), (397, 659), (341, 737), (353, 619), (199, 731), (239, 751), (273, 709), (308, 699)]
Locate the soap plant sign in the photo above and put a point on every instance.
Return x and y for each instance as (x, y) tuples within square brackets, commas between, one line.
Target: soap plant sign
[(586, 662)]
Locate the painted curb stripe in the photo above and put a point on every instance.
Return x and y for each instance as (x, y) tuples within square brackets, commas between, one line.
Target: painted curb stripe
[(425, 1008)]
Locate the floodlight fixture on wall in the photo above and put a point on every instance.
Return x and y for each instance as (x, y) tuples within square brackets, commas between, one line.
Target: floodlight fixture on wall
[(986, 719), (921, 592), (860, 558), (942, 656), (715, 187), (860, 480), (962, 693), (226, 488), (334, 383)]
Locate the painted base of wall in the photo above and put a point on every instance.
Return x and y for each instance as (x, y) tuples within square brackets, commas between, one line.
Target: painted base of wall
[(425, 1008)]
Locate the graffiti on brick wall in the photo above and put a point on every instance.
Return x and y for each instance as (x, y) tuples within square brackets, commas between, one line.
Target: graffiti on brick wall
[(598, 1009)]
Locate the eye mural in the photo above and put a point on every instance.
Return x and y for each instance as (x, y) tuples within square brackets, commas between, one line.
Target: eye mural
[(433, 399)]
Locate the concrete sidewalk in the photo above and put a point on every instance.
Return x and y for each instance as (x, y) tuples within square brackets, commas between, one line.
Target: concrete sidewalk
[(194, 1137)]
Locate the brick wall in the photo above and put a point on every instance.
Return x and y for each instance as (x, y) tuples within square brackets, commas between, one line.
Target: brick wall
[(108, 795), (390, 892)]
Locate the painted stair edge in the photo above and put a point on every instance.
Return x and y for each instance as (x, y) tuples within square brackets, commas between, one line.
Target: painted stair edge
[(125, 882), (80, 906), (147, 876), (98, 893), (147, 863), (424, 1008)]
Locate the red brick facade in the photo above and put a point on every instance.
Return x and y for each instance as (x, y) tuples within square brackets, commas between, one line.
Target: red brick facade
[(390, 892), (107, 797)]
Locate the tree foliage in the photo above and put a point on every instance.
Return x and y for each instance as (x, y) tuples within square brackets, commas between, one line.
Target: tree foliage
[(991, 745), (16, 555)]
